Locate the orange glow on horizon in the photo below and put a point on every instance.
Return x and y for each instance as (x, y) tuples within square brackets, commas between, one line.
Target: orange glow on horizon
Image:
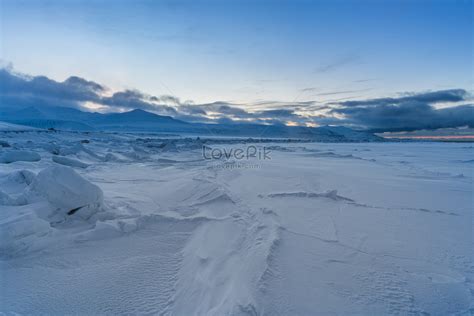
[(433, 137)]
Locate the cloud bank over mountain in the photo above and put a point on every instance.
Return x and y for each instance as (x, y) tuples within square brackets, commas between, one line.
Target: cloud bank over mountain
[(414, 111), (410, 112)]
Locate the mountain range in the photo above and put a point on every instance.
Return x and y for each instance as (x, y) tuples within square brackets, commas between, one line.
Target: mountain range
[(64, 118)]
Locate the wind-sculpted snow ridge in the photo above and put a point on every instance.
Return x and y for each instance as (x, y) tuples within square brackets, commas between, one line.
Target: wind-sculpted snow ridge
[(224, 276), (330, 154), (332, 194), (117, 223)]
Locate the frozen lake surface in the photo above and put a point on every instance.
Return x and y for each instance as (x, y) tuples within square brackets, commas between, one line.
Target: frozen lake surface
[(135, 224)]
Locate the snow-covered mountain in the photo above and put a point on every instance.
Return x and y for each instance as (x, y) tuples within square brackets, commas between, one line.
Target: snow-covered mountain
[(142, 121)]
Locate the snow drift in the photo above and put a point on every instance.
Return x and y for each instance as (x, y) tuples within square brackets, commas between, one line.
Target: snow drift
[(319, 229)]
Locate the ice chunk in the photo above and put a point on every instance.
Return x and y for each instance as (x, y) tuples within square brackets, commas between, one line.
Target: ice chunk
[(52, 148), (6, 199), (20, 176), (21, 232), (69, 162), (169, 145), (111, 157), (16, 182), (4, 144), (19, 155), (67, 191)]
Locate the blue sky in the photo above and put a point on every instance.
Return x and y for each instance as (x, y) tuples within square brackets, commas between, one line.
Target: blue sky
[(245, 51), (291, 62)]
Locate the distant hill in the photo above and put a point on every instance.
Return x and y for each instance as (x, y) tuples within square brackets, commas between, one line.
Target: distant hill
[(9, 127), (63, 118), (138, 120)]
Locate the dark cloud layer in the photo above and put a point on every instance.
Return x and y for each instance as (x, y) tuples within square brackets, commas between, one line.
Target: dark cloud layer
[(407, 112), (453, 95), (17, 90)]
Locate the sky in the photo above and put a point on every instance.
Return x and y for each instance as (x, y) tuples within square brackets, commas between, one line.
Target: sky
[(254, 55)]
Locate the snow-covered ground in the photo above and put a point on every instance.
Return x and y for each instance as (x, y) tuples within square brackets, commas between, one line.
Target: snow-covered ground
[(135, 224)]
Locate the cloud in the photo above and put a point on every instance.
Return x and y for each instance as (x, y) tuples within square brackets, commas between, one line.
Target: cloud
[(132, 99), (281, 104), (27, 91), (82, 84), (410, 111), (225, 108), (452, 95), (338, 63), (166, 99), (407, 113), (218, 109), (342, 92), (278, 113), (18, 90), (310, 89), (192, 109), (364, 80)]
